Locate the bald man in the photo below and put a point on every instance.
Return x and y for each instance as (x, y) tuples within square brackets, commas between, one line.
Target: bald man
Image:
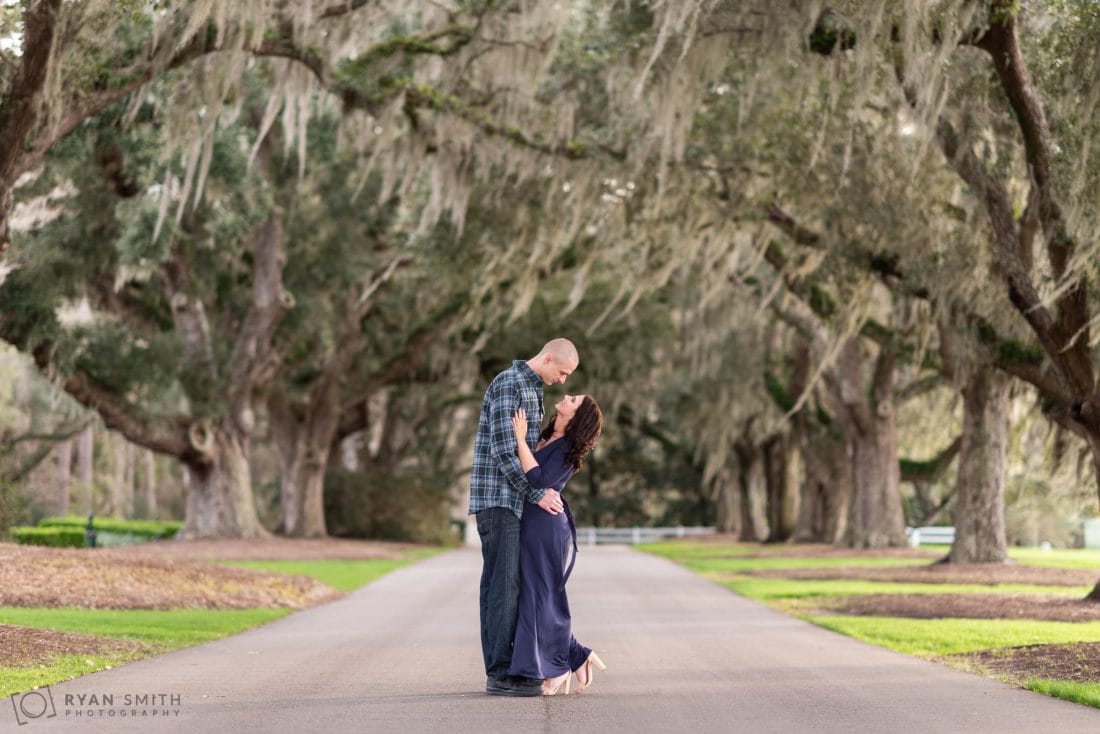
[(498, 490)]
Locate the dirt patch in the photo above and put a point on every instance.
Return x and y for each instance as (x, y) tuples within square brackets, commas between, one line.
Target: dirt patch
[(32, 576), (264, 549), (1078, 662), (966, 606), (946, 573), (22, 647)]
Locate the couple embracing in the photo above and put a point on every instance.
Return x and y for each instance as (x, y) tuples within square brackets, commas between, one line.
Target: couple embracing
[(528, 538)]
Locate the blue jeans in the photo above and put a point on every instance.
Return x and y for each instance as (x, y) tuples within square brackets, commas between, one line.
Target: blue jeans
[(499, 531)]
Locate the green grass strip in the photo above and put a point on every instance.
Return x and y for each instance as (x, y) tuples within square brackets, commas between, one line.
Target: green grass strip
[(736, 565), (162, 630), (783, 589), (343, 575), (929, 638), (1060, 558), (169, 629), (1085, 693), (18, 680)]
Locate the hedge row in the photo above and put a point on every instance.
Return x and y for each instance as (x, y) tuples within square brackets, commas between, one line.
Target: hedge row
[(151, 529), (55, 537)]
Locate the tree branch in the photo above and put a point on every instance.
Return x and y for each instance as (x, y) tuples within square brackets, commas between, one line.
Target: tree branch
[(19, 109), (166, 435), (354, 417), (1002, 43)]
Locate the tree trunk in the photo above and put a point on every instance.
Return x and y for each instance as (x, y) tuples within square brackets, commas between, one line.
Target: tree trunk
[(302, 510), (64, 475), (150, 484), (128, 457), (219, 489), (826, 486), (85, 454), (303, 440), (118, 474), (979, 504), (750, 478), (725, 503), (827, 476), (875, 515), (777, 470)]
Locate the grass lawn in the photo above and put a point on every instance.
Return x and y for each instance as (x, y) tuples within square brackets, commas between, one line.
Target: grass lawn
[(18, 680), (162, 631), (929, 638), (1053, 558), (768, 590), (167, 630), (1059, 558), (342, 575), (1086, 693)]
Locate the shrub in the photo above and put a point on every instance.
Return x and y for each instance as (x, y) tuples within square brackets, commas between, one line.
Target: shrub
[(409, 507), (151, 529), (57, 537), (13, 508)]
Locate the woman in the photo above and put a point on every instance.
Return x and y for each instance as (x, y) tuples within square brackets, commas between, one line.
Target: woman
[(544, 645)]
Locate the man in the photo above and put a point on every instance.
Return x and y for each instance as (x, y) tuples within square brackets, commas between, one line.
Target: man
[(498, 490)]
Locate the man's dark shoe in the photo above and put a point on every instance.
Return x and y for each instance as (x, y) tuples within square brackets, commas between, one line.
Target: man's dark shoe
[(509, 686)]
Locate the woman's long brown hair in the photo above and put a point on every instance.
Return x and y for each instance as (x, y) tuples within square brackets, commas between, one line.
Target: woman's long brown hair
[(582, 432)]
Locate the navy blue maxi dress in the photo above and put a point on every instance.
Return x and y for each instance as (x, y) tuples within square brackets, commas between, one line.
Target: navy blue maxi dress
[(544, 645)]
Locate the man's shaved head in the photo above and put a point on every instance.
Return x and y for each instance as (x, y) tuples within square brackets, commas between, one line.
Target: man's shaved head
[(556, 360), (562, 350)]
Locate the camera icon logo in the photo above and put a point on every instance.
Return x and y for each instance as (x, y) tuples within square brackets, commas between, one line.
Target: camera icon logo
[(37, 704)]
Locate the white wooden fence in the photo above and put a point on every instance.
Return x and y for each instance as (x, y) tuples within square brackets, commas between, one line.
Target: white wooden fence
[(633, 536)]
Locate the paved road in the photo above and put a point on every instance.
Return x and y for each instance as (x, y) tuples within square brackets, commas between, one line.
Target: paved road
[(402, 655)]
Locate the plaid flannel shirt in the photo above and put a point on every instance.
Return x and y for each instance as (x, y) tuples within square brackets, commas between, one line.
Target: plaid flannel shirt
[(496, 479)]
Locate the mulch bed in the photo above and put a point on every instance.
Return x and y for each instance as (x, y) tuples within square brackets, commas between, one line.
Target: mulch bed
[(965, 606), (946, 573), (22, 647), (32, 576), (1078, 662), (264, 549)]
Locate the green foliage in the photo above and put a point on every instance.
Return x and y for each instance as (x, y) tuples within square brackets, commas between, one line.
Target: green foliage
[(406, 507), (13, 508), (778, 391), (54, 537), (152, 529), (830, 33)]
